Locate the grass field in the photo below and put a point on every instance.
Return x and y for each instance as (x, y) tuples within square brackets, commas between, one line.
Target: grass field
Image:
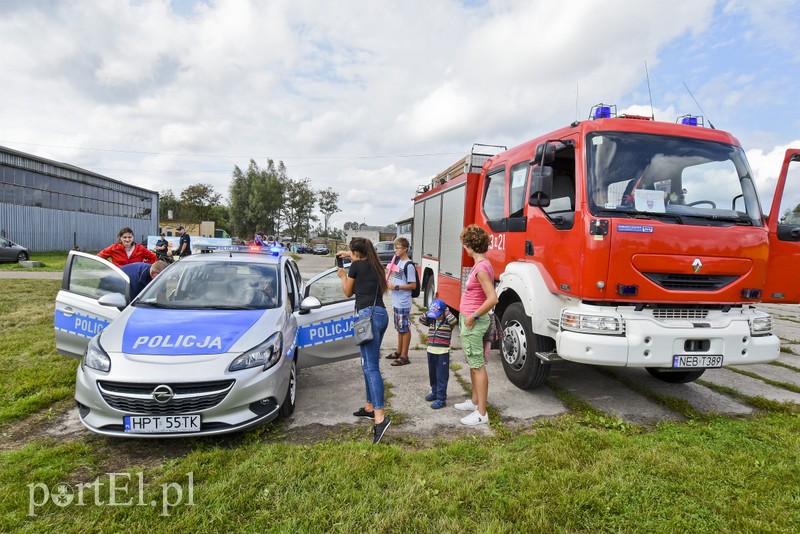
[(565, 474), (53, 262)]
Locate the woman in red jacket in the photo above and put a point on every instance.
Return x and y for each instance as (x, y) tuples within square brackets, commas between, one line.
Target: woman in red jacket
[(125, 251)]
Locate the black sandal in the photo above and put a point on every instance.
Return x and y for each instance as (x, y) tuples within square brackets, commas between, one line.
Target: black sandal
[(393, 356), (401, 361)]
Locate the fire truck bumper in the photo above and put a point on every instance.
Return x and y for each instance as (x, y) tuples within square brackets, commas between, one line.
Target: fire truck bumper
[(648, 342)]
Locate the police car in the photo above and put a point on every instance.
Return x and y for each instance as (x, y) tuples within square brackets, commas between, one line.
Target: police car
[(212, 345)]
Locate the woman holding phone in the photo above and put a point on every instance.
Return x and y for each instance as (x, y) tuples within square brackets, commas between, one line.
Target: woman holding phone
[(366, 280)]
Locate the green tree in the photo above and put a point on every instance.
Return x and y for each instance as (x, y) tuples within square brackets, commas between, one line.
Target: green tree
[(351, 225), (327, 201), (256, 197), (198, 201), (167, 201), (299, 200)]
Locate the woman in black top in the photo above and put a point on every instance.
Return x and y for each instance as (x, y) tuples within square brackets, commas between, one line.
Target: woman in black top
[(366, 279)]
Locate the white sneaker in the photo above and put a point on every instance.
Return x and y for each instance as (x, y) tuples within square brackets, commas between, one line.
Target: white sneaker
[(466, 406), (475, 418)]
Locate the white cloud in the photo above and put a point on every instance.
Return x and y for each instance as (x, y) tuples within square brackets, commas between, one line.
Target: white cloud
[(766, 167), (339, 90)]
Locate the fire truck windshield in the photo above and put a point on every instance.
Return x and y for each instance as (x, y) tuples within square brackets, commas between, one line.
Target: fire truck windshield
[(677, 179)]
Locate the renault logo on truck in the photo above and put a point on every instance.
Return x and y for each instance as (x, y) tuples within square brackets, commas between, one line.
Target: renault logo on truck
[(697, 265)]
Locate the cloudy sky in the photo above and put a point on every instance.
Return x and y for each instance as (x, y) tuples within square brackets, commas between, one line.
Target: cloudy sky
[(373, 98)]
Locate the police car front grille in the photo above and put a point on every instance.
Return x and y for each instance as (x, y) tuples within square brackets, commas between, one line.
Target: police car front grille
[(189, 397)]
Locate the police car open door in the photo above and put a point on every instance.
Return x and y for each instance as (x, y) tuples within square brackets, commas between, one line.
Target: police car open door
[(781, 285), (326, 334), (80, 314)]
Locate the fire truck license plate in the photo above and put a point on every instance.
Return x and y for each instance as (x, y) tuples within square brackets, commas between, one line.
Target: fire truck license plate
[(696, 362), (157, 424)]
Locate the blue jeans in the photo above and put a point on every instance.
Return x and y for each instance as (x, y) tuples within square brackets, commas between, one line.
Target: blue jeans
[(439, 374), (371, 355)]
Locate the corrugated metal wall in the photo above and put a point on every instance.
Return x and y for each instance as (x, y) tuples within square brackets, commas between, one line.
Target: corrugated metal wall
[(42, 229)]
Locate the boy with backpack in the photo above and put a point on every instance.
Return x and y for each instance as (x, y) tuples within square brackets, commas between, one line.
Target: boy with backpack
[(440, 323), (402, 280)]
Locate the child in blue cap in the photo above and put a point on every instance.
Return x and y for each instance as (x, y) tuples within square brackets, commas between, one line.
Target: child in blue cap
[(440, 323)]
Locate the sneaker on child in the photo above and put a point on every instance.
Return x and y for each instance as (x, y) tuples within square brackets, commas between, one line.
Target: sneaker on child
[(430, 397), (438, 403), (475, 418), (466, 406)]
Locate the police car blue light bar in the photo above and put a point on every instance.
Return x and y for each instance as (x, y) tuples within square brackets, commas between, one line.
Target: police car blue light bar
[(274, 250)]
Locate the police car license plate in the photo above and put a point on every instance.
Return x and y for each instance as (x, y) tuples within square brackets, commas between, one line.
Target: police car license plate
[(708, 361), (159, 424)]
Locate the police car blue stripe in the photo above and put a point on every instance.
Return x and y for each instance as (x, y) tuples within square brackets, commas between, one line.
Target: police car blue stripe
[(185, 332), (80, 324), (324, 332)]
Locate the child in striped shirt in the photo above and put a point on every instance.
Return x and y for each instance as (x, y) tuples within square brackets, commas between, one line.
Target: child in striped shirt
[(440, 323)]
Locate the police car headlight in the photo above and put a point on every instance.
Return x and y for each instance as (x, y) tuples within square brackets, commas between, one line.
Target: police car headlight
[(266, 354), (96, 357)]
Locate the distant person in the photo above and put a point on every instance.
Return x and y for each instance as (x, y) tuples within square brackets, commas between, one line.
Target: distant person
[(126, 251), (440, 322), (365, 279), (185, 245), (478, 298), (259, 240), (401, 283), (162, 249), (142, 274)]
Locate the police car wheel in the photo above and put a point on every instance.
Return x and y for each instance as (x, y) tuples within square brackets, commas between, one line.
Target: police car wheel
[(518, 348), (675, 377), (287, 407)]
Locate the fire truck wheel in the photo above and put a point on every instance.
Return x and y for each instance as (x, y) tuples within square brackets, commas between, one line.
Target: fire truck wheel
[(519, 347), (430, 292), (675, 377)]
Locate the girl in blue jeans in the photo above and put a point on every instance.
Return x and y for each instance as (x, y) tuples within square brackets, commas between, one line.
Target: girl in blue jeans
[(367, 282)]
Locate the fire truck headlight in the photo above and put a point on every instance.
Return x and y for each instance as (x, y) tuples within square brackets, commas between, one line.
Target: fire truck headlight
[(761, 326), (592, 324)]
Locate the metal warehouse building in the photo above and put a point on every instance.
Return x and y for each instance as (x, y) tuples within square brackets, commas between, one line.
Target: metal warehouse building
[(46, 205)]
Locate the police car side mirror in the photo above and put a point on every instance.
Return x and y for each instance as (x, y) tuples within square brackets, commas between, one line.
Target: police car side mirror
[(115, 300), (309, 303), (541, 186)]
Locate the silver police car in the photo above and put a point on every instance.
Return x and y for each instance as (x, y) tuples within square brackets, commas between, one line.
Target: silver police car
[(210, 346)]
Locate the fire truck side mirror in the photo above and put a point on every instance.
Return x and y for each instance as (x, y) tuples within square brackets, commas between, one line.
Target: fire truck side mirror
[(541, 186), (545, 154)]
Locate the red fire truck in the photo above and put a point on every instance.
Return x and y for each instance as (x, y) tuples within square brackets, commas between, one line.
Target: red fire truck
[(621, 241)]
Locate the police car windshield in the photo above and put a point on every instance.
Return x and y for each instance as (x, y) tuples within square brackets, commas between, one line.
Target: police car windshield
[(214, 285)]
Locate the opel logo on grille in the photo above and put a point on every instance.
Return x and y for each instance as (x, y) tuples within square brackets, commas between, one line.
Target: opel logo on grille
[(163, 394), (697, 265)]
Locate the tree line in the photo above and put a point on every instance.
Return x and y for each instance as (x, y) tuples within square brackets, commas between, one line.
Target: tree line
[(261, 200)]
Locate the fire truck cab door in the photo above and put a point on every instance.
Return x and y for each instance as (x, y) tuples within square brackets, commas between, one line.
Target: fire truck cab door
[(782, 285)]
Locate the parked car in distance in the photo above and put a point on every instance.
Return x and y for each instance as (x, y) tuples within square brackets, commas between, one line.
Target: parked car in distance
[(10, 251), (304, 248), (321, 248), (385, 250)]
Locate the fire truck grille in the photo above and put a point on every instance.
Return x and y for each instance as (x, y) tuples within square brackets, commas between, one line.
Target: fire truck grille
[(690, 282), (680, 313), (187, 397)]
